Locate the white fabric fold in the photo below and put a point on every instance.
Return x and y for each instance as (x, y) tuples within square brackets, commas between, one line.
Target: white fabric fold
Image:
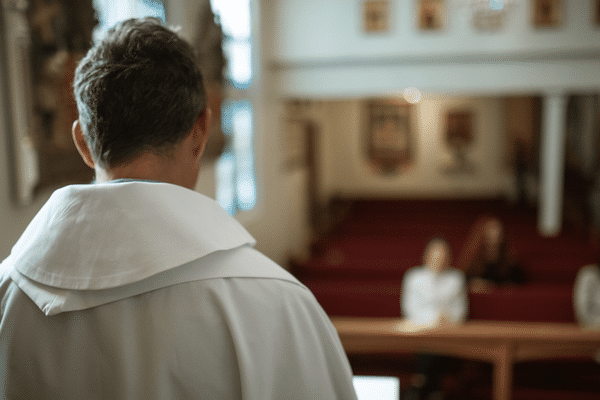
[(243, 262), (102, 236), (151, 291)]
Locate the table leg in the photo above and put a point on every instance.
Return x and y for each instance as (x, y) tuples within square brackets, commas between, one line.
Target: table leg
[(503, 373)]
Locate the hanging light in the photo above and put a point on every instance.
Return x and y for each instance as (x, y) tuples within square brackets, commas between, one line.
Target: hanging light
[(412, 95)]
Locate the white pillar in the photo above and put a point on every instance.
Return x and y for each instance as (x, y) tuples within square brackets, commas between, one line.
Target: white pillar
[(552, 163)]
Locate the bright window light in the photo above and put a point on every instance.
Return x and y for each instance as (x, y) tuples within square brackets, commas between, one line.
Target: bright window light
[(244, 150), (497, 4), (225, 177), (234, 16), (235, 176), (110, 12), (239, 62), (236, 182), (376, 387)]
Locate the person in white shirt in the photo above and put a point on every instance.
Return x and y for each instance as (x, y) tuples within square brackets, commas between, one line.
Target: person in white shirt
[(433, 294), (586, 297), (138, 287)]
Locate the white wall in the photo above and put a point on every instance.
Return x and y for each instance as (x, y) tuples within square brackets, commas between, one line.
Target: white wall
[(317, 30), (321, 51), (346, 171)]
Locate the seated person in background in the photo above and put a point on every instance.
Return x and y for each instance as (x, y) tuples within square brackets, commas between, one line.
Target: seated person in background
[(487, 258), (433, 294), (586, 297)]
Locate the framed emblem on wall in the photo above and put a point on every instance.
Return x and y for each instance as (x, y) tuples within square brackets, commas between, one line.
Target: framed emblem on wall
[(432, 15), (388, 134), (376, 16), (547, 13), (459, 138)]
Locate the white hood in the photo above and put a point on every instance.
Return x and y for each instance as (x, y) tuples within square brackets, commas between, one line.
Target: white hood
[(112, 240)]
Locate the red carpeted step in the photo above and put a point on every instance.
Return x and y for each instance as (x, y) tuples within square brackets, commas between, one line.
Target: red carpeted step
[(546, 394), (528, 302), (357, 298)]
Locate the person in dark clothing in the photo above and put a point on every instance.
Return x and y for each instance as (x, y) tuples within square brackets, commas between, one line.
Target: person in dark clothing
[(487, 257)]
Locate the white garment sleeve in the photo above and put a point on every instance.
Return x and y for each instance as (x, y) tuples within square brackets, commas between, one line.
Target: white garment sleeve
[(417, 297), (457, 301), (409, 301)]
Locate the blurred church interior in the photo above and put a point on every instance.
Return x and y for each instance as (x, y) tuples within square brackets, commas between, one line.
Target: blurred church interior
[(351, 132)]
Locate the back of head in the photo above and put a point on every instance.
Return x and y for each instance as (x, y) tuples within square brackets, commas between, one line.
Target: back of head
[(137, 90)]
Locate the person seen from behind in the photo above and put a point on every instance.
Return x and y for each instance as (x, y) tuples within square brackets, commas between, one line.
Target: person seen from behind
[(139, 287)]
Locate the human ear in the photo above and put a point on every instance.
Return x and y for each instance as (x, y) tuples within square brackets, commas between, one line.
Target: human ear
[(81, 144), (201, 131)]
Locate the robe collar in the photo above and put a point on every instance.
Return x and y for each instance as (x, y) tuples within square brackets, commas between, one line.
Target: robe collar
[(106, 235)]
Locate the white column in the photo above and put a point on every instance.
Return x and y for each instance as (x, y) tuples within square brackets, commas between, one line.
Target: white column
[(552, 163)]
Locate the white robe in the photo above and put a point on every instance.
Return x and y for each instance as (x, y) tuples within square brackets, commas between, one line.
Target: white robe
[(139, 290)]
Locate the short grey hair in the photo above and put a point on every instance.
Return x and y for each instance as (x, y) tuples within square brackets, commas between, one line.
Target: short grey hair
[(137, 89)]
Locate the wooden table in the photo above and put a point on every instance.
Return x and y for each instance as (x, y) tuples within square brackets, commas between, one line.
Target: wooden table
[(501, 343)]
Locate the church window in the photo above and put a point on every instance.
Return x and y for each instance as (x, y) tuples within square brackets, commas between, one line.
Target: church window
[(234, 172), (111, 12)]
